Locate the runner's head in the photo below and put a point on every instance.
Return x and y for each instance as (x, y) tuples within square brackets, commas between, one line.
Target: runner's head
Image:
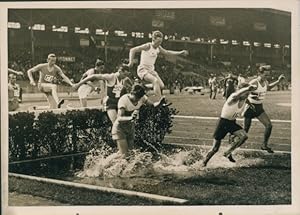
[(51, 59), (157, 38), (99, 65), (138, 91), (12, 78), (264, 71), (123, 71)]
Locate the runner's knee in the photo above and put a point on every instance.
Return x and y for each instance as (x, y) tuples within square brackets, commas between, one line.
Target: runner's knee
[(269, 126)]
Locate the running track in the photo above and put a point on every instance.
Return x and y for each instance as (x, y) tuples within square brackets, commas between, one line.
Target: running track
[(198, 130)]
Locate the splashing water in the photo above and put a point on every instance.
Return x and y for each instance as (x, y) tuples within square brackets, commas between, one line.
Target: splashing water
[(105, 163)]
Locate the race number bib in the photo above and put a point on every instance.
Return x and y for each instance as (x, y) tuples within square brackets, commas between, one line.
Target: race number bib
[(16, 92), (117, 90), (49, 78)]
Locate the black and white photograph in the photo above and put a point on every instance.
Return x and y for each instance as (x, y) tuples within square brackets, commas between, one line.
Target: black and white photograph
[(187, 107)]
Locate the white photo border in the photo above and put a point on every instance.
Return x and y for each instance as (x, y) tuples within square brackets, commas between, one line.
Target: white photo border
[(288, 5)]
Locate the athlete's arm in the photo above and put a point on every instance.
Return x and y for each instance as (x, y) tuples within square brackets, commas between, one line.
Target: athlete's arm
[(169, 52), (65, 78), (94, 77), (280, 78), (136, 49), (236, 95), (87, 73), (32, 70), (14, 72)]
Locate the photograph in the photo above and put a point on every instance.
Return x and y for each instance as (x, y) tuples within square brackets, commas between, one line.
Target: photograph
[(186, 107)]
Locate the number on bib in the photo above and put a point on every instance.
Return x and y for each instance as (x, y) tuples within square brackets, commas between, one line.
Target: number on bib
[(48, 78)]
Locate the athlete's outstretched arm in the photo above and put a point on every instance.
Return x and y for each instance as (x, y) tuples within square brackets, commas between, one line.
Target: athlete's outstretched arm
[(65, 78), (14, 72), (135, 50), (105, 77), (280, 78), (236, 95), (32, 70), (170, 52)]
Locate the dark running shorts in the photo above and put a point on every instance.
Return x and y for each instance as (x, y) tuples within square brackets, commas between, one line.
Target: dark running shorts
[(225, 126), (253, 113)]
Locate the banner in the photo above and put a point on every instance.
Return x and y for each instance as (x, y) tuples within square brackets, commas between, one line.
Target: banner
[(84, 42), (158, 23), (164, 14), (217, 20), (260, 26), (66, 59)]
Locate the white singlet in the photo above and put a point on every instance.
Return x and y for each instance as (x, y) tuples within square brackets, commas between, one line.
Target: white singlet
[(148, 57), (231, 112), (257, 96), (125, 103)]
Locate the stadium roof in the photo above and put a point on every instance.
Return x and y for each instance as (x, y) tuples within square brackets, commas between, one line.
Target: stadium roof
[(261, 25)]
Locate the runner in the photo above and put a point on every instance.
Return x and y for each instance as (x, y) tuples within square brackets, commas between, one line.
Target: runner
[(117, 84), (149, 52), (232, 108), (256, 99), (128, 106), (88, 87), (48, 78)]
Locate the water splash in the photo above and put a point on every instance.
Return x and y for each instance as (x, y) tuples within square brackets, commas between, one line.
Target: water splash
[(105, 163)]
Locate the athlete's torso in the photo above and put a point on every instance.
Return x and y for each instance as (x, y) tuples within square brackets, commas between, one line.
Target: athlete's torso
[(231, 112), (129, 107), (257, 96), (148, 57), (48, 76)]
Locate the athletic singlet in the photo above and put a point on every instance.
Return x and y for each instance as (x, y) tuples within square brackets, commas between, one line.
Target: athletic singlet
[(148, 57), (46, 76), (231, 112), (114, 91), (125, 103), (13, 91), (257, 96)]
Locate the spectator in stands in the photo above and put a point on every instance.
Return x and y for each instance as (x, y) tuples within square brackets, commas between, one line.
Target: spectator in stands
[(149, 52), (48, 79), (229, 85), (213, 86)]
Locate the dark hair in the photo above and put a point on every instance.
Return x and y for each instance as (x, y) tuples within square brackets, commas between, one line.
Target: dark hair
[(124, 67), (125, 61), (138, 90), (99, 63), (263, 68)]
